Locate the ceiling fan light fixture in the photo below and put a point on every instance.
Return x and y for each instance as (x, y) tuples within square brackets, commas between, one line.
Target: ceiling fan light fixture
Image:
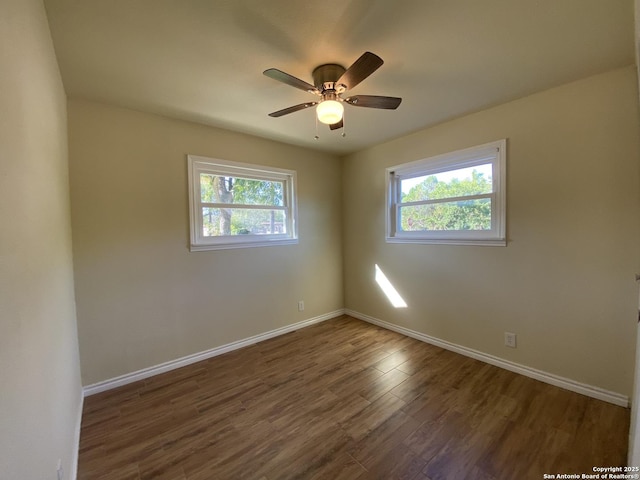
[(329, 111), (330, 81)]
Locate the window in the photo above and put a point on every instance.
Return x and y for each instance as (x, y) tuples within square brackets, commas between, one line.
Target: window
[(456, 198), (235, 205)]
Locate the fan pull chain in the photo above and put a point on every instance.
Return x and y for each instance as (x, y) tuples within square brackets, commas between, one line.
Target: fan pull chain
[(344, 126), (316, 137)]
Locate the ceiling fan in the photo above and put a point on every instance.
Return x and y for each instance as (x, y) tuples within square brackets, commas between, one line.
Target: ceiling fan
[(330, 81)]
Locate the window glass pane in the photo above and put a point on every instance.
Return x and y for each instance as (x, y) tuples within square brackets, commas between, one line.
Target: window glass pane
[(462, 215), (242, 221), (454, 183), (243, 191)]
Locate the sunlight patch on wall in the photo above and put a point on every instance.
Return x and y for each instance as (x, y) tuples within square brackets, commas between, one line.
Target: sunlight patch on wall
[(389, 290)]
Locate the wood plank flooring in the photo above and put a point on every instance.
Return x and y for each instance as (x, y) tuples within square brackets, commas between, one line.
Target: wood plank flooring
[(345, 400)]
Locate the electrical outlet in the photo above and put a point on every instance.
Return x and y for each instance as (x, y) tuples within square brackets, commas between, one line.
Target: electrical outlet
[(301, 305), (510, 339), (60, 470)]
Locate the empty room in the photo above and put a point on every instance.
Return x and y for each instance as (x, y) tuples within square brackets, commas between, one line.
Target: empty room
[(334, 240)]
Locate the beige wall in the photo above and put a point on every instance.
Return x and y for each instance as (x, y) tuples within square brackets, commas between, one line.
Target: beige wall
[(40, 390), (142, 297), (565, 282)]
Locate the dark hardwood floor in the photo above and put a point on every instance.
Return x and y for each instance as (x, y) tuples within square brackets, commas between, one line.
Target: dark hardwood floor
[(345, 400)]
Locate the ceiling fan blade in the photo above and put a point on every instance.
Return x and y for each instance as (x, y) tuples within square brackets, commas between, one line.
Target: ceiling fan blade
[(290, 80), (336, 126), (374, 101), (295, 108), (361, 69)]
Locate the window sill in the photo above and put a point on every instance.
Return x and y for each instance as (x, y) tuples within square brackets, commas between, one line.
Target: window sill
[(450, 241), (228, 246)]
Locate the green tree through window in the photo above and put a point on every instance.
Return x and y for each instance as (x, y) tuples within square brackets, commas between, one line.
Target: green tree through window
[(240, 194), (457, 214), (240, 205), (455, 198)]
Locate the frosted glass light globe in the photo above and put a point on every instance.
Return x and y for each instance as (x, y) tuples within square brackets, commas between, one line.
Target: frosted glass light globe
[(330, 111)]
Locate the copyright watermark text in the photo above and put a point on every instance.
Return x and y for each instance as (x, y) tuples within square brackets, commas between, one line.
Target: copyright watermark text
[(600, 473)]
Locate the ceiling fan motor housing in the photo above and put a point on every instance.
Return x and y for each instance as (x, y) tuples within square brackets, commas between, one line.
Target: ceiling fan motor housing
[(325, 77)]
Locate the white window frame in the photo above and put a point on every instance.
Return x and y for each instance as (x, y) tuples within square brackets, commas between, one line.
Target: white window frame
[(494, 153), (198, 165)]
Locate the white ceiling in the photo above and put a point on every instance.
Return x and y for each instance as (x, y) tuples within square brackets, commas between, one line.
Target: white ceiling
[(202, 60)]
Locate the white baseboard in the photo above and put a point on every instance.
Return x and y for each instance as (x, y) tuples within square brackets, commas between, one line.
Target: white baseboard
[(562, 382), (197, 357), (566, 383)]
